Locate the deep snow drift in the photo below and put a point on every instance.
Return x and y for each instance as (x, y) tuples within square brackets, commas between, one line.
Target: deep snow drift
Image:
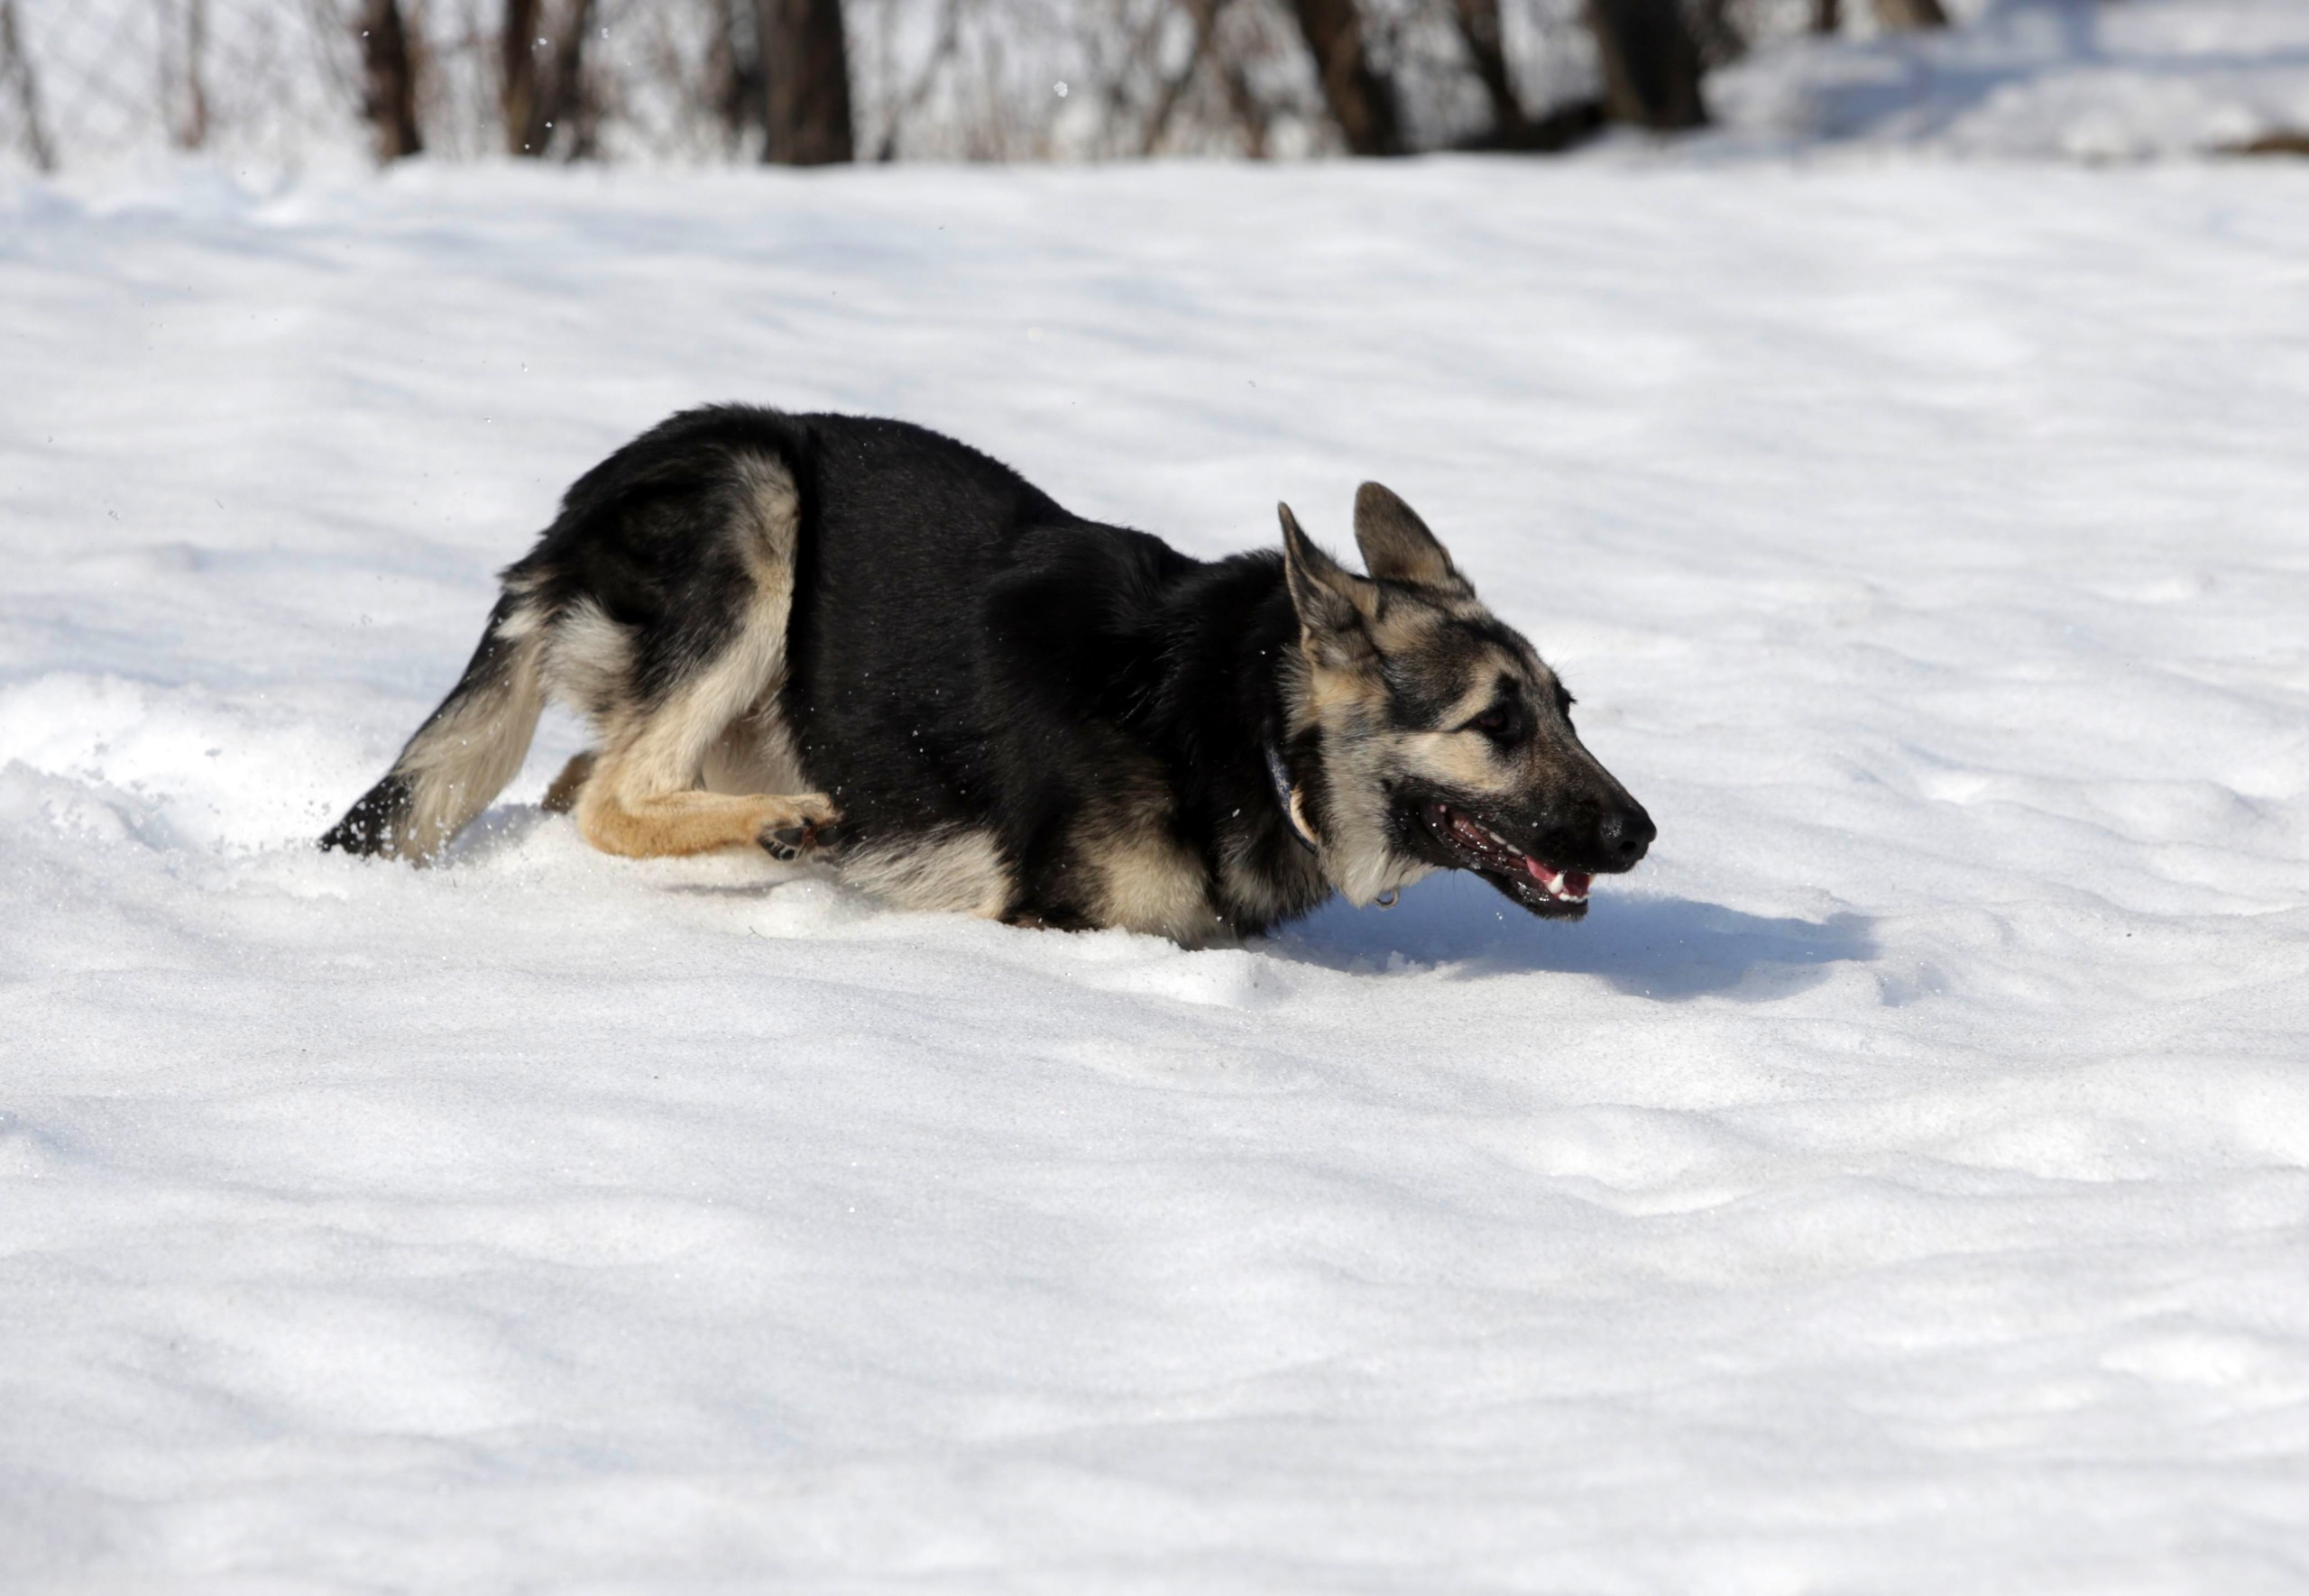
[(1898, 1184)]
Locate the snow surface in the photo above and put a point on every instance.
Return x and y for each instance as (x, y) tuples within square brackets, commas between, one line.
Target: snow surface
[(1901, 1183), (2089, 80)]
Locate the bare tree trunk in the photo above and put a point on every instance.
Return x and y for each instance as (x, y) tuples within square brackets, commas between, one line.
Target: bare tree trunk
[(543, 89), (1910, 15), (733, 71), (1651, 64), (1827, 16), (1361, 101), (941, 52), (1204, 15), (1720, 42), (389, 81), (193, 132), (805, 83), (23, 83), (562, 101), (1480, 32), (577, 106), (1252, 117), (517, 83)]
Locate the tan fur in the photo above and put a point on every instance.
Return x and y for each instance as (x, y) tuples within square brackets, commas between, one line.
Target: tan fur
[(588, 662), (641, 796), (1149, 882), (664, 824), (463, 758), (754, 753), (1467, 760), (1463, 760), (1349, 706), (1154, 885), (958, 871)]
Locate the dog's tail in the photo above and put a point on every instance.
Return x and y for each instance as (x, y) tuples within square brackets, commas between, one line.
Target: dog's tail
[(464, 753)]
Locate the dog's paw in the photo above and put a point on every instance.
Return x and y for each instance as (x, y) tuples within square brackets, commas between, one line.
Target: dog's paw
[(817, 829)]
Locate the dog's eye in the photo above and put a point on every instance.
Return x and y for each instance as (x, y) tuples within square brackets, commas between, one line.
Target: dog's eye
[(1498, 721)]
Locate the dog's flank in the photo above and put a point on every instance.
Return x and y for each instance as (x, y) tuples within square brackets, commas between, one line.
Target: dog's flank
[(859, 639)]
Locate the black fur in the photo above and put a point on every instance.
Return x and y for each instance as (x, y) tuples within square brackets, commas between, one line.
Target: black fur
[(964, 651), (375, 820)]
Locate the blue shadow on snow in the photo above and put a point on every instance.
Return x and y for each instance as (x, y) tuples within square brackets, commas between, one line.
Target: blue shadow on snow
[(1667, 948)]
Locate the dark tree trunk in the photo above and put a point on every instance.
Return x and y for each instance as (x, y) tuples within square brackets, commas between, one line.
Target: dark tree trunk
[(23, 86), (1908, 15), (543, 90), (192, 132), (562, 103), (1565, 127), (389, 81), (1827, 16), (1361, 102), (1720, 42), (733, 71), (1651, 64), (1204, 16), (805, 83), (1480, 32), (516, 84)]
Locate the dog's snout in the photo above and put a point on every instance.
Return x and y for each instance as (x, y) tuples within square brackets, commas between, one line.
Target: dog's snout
[(1627, 834)]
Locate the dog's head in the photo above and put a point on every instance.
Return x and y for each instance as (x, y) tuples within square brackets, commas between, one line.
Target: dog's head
[(1441, 740)]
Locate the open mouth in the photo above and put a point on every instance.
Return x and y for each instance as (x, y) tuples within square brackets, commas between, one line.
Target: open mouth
[(1538, 886)]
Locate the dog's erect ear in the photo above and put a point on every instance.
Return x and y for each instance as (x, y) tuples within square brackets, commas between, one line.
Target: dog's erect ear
[(1396, 545), (1331, 601)]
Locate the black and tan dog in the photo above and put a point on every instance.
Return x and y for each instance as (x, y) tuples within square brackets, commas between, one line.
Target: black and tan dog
[(862, 640)]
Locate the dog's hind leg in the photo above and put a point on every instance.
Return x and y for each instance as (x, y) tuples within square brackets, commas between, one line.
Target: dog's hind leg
[(622, 812), (644, 794), (640, 796)]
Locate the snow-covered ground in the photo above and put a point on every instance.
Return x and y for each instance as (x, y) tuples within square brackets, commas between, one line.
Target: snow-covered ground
[(1901, 1183), (2084, 79)]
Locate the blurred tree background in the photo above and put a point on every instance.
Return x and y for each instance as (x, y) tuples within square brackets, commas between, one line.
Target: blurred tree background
[(814, 82)]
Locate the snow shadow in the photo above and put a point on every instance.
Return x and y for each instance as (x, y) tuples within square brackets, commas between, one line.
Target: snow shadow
[(1663, 948), (1667, 948), (495, 833)]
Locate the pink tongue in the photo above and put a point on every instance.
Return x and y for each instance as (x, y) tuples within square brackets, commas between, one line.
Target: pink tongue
[(1545, 875)]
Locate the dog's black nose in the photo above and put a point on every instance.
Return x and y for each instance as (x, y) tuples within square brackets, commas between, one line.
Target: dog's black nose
[(1626, 835)]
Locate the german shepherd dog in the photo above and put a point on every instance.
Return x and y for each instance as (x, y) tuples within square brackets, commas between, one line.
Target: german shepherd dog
[(860, 640)]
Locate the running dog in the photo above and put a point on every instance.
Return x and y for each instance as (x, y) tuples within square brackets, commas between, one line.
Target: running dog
[(861, 641)]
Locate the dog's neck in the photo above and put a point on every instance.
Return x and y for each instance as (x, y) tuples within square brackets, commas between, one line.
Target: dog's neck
[(1228, 700)]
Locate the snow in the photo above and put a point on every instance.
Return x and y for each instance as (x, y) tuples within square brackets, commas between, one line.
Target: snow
[(1898, 1184), (2086, 80)]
